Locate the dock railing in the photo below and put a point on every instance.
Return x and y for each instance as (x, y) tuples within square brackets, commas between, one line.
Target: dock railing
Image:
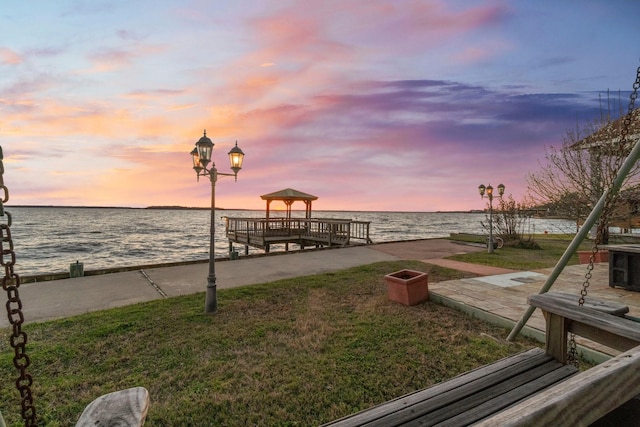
[(260, 232)]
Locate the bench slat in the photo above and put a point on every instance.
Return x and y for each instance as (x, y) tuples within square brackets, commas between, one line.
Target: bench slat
[(458, 394), (370, 415), (511, 397), (579, 400), (502, 390), (454, 402)]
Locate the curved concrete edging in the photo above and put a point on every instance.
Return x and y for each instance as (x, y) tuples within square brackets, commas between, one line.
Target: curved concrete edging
[(586, 353)]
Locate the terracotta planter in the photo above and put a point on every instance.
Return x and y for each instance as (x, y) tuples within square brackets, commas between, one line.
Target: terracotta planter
[(600, 256), (407, 287)]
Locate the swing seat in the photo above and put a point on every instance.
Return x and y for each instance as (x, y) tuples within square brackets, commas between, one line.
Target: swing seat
[(584, 398), (515, 391), (124, 408), (469, 397)]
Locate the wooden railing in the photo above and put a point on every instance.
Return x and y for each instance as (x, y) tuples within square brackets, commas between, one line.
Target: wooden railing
[(323, 231)]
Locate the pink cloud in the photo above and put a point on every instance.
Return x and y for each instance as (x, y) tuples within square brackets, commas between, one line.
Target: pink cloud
[(297, 37), (439, 16), (407, 25), (476, 54), (8, 56), (313, 52), (153, 95), (110, 59)]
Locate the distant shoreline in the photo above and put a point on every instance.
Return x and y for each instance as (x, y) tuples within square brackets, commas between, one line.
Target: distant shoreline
[(121, 207), (476, 211)]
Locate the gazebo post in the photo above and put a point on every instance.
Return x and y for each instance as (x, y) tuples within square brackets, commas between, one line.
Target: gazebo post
[(288, 203), (289, 196), (308, 210)]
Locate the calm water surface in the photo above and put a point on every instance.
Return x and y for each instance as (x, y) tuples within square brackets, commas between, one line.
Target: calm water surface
[(47, 240)]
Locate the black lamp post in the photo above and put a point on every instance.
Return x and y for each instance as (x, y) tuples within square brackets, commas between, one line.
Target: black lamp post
[(201, 157), (489, 191)]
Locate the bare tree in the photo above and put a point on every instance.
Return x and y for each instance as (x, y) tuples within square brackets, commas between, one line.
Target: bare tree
[(574, 176)]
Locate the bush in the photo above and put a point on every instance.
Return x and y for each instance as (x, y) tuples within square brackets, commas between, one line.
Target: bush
[(509, 220), (523, 243)]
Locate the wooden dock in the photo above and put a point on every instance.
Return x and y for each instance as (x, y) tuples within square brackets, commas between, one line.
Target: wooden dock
[(263, 232)]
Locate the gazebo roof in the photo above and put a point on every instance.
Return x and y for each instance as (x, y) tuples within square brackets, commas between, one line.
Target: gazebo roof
[(610, 134), (289, 194)]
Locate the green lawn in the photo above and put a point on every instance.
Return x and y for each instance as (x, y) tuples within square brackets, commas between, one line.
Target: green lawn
[(296, 352), (552, 248)]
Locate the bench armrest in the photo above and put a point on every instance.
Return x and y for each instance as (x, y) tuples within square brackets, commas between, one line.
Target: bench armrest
[(615, 332)]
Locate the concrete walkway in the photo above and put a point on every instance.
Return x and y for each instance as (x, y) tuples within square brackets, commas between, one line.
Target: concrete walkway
[(497, 295), (68, 297)]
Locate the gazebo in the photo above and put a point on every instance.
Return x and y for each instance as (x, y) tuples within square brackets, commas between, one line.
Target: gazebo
[(289, 196), (319, 232)]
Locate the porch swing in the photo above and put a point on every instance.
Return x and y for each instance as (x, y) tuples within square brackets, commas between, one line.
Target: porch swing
[(536, 387), (125, 408)]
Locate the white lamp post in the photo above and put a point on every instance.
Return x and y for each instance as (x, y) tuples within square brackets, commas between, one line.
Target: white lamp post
[(489, 191), (201, 157)]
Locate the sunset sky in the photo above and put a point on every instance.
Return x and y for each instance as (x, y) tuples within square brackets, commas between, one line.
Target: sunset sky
[(403, 105)]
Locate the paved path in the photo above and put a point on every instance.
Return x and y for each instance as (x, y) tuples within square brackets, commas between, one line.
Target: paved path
[(67, 297)]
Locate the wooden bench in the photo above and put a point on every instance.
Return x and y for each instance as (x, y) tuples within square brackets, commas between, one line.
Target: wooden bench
[(590, 395), (531, 388), (469, 397)]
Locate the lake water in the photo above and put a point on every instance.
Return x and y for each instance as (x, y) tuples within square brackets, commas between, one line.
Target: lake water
[(48, 239)]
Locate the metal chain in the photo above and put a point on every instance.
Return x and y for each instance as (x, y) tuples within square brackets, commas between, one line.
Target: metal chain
[(11, 283), (621, 153)]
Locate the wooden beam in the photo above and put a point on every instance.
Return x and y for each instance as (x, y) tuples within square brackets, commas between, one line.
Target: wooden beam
[(556, 337)]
